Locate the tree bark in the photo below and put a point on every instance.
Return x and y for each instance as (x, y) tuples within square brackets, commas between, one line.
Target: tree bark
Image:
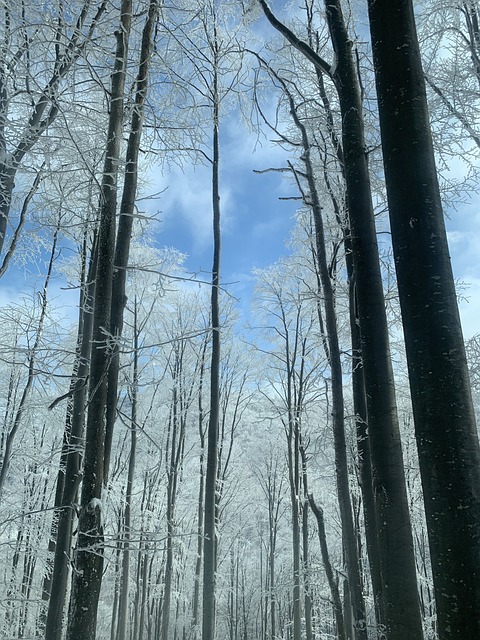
[(88, 561), (341, 462), (401, 602), (209, 553), (74, 445), (125, 227), (124, 599), (332, 582), (445, 426)]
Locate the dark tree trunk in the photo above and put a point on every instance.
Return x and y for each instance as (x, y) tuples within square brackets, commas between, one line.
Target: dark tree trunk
[(125, 227), (358, 379), (401, 602), (124, 598), (338, 417), (401, 607), (308, 600), (444, 419), (88, 570), (332, 581), (200, 501), (209, 552), (364, 459), (74, 444)]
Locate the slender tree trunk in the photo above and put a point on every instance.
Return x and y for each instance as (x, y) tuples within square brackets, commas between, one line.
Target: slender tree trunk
[(177, 441), (124, 600), (209, 554), (88, 570), (402, 607), (200, 502), (445, 426), (341, 463), (293, 472), (60, 484), (358, 379), (332, 582), (125, 227), (364, 461), (305, 552), (74, 445)]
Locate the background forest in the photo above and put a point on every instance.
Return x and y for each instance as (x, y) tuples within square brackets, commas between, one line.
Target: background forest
[(285, 449)]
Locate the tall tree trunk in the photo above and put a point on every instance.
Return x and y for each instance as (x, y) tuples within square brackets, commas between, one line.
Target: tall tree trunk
[(358, 379), (341, 463), (294, 480), (125, 227), (305, 552), (364, 460), (124, 600), (200, 502), (60, 484), (209, 554), (332, 581), (174, 457), (445, 426), (88, 570), (74, 445), (401, 601)]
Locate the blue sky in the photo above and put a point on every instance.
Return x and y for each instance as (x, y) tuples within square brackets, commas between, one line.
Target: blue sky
[(256, 224)]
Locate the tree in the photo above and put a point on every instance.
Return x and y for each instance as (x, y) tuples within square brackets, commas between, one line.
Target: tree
[(39, 102), (87, 575), (295, 371), (445, 425), (395, 541)]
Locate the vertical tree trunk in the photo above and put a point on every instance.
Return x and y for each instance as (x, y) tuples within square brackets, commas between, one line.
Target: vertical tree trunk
[(332, 582), (201, 492), (174, 458), (341, 463), (445, 427), (88, 570), (305, 552), (294, 479), (358, 379), (124, 600), (73, 455), (364, 460), (125, 226), (209, 554), (401, 603), (61, 474)]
